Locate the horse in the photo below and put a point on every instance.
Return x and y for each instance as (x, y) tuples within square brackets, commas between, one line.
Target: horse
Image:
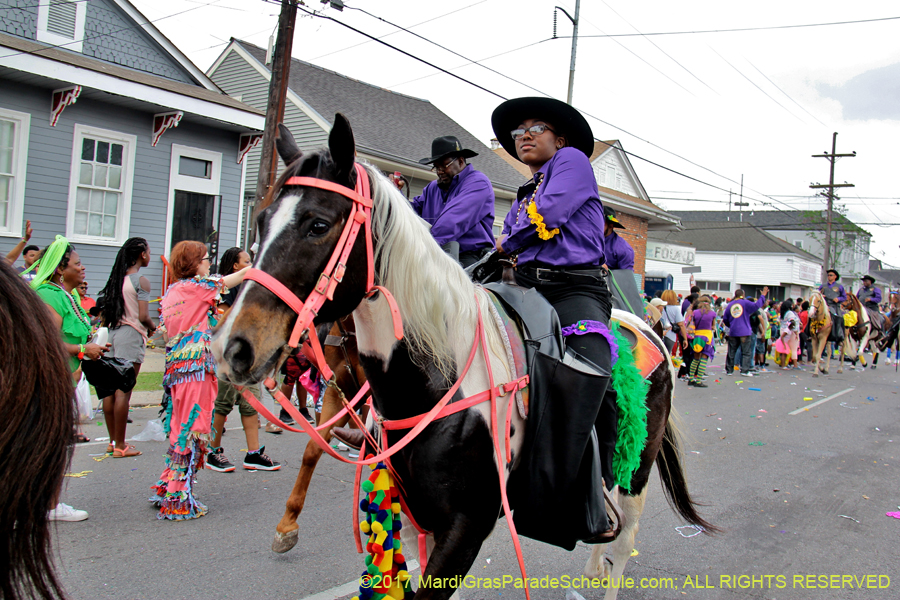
[(452, 472), (341, 354), (36, 400), (819, 329), (862, 334)]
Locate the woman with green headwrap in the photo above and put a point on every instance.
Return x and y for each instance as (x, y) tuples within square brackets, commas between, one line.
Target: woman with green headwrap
[(59, 273)]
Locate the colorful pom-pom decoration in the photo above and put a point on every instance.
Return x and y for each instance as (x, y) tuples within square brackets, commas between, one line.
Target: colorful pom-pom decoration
[(386, 576)]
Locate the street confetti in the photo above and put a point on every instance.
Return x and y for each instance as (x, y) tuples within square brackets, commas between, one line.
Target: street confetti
[(634, 551), (762, 410), (754, 389), (807, 399), (894, 514), (756, 444), (697, 530), (101, 457), (739, 382), (844, 404), (846, 517), (82, 474)]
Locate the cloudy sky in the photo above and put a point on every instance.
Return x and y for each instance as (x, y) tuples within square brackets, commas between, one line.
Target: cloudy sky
[(708, 108)]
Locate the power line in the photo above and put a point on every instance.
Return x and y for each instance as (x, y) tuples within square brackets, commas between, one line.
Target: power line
[(783, 107), (691, 73), (742, 29), (785, 93), (393, 32)]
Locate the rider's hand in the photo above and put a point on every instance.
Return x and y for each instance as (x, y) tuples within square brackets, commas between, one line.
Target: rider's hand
[(500, 245)]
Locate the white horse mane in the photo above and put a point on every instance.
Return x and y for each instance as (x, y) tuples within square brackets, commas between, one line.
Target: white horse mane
[(435, 296)]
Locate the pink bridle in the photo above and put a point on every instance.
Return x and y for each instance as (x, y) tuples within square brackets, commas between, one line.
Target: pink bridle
[(333, 274)]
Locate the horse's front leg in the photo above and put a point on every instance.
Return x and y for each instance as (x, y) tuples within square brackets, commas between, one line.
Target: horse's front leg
[(287, 532), (454, 552)]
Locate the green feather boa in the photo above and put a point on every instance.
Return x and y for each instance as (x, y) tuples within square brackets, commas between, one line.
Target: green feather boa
[(632, 390)]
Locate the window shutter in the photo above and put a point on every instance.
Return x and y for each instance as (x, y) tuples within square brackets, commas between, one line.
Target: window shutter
[(61, 18)]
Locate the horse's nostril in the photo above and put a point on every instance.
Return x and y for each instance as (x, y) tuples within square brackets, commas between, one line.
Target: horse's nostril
[(239, 354)]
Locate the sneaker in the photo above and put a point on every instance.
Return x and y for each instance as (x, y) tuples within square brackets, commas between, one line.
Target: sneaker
[(700, 384), (286, 418), (746, 374), (216, 461), (259, 460), (64, 512)]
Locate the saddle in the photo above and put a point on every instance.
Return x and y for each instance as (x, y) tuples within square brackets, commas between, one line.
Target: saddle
[(559, 472)]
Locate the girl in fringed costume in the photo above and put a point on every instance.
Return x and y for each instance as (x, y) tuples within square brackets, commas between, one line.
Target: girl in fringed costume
[(189, 312), (787, 348), (704, 318)]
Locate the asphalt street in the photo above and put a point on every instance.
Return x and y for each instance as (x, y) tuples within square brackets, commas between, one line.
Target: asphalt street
[(797, 495)]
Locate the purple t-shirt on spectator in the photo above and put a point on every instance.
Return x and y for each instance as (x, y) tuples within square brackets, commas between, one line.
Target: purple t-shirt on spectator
[(737, 315)]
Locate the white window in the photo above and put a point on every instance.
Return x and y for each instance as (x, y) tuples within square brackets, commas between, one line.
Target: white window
[(14, 127), (799, 244), (100, 186), (611, 179), (61, 22)]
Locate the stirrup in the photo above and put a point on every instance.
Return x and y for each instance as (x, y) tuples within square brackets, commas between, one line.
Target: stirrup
[(613, 509)]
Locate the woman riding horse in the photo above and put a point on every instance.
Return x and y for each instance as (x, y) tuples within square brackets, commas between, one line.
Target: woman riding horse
[(554, 234)]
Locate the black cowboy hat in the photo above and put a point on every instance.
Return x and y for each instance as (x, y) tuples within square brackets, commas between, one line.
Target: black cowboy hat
[(610, 213), (836, 274), (564, 119), (444, 146), (869, 277)]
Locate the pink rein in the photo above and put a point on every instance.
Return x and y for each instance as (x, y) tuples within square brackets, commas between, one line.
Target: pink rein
[(333, 274)]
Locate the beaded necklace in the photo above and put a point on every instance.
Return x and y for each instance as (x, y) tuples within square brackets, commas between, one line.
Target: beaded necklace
[(531, 199), (75, 307)]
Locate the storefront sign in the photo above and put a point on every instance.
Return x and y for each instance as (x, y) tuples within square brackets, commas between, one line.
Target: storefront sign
[(683, 255), (810, 272)]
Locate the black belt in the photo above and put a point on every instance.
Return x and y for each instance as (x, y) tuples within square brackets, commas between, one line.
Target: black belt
[(560, 274)]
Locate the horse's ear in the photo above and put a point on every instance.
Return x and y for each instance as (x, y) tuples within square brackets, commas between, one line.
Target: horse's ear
[(342, 146), (287, 148)]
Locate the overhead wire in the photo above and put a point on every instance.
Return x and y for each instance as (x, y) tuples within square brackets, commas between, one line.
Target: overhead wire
[(393, 32), (775, 85)]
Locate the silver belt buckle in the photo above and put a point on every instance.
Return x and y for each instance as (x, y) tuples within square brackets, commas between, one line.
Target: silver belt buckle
[(537, 273)]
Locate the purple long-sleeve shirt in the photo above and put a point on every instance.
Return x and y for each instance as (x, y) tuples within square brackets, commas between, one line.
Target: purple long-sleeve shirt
[(464, 212), (833, 291), (869, 294), (737, 315), (568, 200), (619, 254)]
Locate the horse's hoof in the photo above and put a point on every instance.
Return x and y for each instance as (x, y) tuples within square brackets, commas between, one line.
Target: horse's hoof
[(285, 541), (873, 367), (815, 374)]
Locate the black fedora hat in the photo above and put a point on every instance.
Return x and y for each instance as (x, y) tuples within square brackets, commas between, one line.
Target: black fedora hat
[(564, 119), (867, 276), (610, 213), (444, 146), (836, 274)]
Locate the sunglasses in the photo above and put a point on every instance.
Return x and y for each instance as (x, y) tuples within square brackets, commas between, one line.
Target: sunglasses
[(534, 130)]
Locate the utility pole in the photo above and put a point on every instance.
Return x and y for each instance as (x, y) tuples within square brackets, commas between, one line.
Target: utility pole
[(740, 203), (832, 158), (574, 44), (278, 85)]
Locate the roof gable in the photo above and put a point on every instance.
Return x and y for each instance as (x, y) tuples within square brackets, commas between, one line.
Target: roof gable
[(613, 170), (385, 123)]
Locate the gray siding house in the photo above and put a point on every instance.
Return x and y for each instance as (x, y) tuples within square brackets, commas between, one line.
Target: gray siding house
[(107, 131), (393, 131)]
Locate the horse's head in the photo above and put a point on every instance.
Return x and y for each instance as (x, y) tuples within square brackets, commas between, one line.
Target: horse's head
[(298, 229)]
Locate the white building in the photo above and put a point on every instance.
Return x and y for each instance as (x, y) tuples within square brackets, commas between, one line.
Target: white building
[(730, 256)]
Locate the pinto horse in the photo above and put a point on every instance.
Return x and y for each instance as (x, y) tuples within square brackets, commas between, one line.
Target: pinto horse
[(864, 333), (454, 472)]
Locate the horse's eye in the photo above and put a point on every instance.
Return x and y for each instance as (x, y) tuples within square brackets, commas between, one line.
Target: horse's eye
[(318, 228)]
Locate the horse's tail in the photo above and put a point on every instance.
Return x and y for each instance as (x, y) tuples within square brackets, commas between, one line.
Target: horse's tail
[(671, 473)]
